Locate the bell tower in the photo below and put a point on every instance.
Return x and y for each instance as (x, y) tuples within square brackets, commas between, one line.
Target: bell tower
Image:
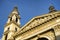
[(12, 25)]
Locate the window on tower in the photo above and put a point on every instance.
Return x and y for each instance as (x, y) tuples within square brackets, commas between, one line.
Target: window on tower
[(15, 29), (16, 19), (11, 19), (8, 28)]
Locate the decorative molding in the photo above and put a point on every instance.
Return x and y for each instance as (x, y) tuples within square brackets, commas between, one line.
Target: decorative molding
[(11, 23)]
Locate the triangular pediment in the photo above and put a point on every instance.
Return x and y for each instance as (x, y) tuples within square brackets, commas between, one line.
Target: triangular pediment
[(44, 21), (37, 30)]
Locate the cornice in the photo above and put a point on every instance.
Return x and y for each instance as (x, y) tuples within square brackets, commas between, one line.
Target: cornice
[(11, 23), (48, 28), (14, 14), (6, 32), (38, 17), (56, 13)]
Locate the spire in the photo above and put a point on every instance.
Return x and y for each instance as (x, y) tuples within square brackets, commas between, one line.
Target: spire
[(15, 10), (14, 16), (52, 9), (12, 26)]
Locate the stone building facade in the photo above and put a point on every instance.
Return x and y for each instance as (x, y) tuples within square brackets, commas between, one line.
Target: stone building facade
[(44, 27)]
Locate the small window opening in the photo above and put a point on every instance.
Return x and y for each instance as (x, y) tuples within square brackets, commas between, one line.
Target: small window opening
[(11, 19), (16, 19), (8, 28), (15, 29)]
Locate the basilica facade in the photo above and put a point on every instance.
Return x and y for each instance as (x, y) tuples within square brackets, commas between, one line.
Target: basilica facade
[(44, 27)]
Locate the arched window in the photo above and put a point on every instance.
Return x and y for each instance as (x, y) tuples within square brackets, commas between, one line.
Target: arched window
[(8, 28), (15, 29), (11, 19), (42, 39), (6, 37), (16, 19)]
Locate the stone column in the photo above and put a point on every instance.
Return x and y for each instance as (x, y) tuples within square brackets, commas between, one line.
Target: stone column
[(4, 37)]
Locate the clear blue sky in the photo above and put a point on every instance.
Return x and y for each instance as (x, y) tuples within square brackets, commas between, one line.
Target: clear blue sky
[(27, 9)]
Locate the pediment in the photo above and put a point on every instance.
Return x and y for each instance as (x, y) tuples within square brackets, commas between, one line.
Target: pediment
[(40, 20), (44, 22)]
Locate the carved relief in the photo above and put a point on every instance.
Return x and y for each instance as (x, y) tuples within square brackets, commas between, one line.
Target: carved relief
[(57, 30), (40, 20)]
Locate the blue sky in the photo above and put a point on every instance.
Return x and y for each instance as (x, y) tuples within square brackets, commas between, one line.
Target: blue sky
[(27, 9)]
